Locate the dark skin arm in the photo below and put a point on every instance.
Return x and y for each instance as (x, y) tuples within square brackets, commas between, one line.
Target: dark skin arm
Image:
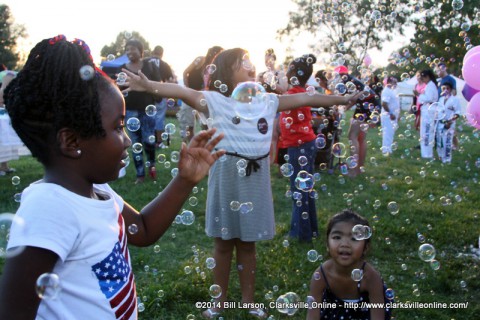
[(18, 298), (156, 217)]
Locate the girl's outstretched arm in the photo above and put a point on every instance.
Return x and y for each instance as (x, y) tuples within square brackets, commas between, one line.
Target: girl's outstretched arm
[(172, 90), (155, 218), (292, 101)]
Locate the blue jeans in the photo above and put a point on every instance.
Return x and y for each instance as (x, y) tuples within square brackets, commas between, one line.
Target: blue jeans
[(161, 114), (142, 135), (306, 227)]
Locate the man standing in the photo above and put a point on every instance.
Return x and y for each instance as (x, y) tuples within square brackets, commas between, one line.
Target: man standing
[(443, 77), (166, 75)]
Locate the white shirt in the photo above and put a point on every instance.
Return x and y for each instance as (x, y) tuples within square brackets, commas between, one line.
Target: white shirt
[(89, 238), (430, 94)]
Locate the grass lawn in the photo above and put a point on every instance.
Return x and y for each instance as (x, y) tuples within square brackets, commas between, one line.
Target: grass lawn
[(438, 204)]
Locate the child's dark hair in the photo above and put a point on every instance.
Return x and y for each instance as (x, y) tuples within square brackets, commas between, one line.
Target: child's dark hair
[(226, 62), (346, 215), (49, 94), (429, 73), (137, 44), (301, 68)]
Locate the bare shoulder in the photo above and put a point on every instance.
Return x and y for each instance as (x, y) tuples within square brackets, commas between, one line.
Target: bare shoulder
[(372, 278)]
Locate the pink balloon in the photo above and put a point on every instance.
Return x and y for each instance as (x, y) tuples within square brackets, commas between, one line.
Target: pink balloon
[(475, 49), (473, 111), (471, 71)]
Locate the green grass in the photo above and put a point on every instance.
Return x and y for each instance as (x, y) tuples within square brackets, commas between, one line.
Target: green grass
[(442, 206)]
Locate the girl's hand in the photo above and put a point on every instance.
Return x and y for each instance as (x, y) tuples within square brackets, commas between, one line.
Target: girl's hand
[(135, 82), (197, 158), (350, 100)]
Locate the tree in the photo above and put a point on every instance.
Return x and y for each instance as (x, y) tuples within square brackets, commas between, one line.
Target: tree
[(346, 30), (444, 31), (117, 48), (9, 35)]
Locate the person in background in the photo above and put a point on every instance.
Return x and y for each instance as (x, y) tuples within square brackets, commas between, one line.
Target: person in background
[(166, 75), (195, 77), (390, 113), (136, 103), (427, 118), (299, 137), (361, 119), (9, 140), (445, 130), (419, 89), (445, 77)]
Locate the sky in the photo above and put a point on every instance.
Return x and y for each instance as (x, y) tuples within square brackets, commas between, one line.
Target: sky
[(184, 28)]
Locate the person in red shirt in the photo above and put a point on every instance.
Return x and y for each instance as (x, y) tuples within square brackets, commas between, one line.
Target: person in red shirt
[(298, 136)]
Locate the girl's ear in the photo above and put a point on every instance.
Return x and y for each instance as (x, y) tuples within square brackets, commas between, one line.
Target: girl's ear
[(68, 143)]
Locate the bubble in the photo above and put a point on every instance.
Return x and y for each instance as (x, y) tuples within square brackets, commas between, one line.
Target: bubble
[(304, 181), (110, 57), (302, 161), (358, 232), (170, 128), (210, 263), (408, 180), (15, 180), (357, 274), (312, 255), (17, 197), (311, 90), (426, 252), (241, 164), (393, 207), (6, 222), (175, 156), (457, 4), (133, 124), (235, 205), (121, 78), (127, 34), (320, 141), (137, 147), (339, 150), (463, 284), (340, 88), (132, 229), (215, 291), (285, 243), (193, 201), (389, 294), (211, 68), (150, 110), (87, 72), (156, 248), (246, 207), (161, 158), (188, 217), (249, 99), (174, 172), (351, 162), (160, 293), (48, 286), (187, 269), (288, 303), (286, 169), (434, 264)]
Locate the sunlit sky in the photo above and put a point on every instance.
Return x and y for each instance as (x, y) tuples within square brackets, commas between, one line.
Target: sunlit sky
[(184, 28)]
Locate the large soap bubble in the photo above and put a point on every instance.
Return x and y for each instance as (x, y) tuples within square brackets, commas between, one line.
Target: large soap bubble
[(250, 99)]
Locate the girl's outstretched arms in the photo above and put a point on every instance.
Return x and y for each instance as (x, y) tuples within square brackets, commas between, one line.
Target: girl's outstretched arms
[(292, 101), (171, 90)]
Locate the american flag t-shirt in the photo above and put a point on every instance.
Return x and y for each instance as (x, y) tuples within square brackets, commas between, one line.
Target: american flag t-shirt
[(115, 278)]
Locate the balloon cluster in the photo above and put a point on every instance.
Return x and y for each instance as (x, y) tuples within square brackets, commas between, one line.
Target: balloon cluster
[(471, 90)]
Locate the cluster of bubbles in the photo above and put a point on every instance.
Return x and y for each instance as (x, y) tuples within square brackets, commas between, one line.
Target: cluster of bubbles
[(361, 232), (242, 207), (288, 303)]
